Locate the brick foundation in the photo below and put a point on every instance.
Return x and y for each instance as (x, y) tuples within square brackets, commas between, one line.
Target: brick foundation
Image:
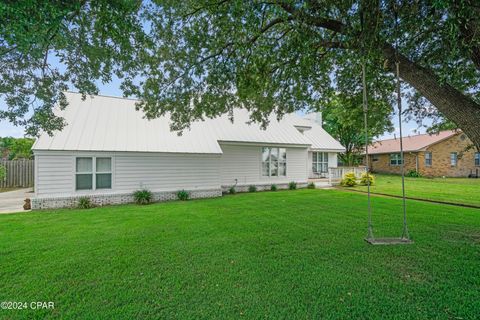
[(109, 199)]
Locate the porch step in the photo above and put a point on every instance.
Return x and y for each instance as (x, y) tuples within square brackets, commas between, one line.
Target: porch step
[(322, 184)]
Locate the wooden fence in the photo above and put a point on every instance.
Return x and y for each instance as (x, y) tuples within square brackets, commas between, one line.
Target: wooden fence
[(20, 173)]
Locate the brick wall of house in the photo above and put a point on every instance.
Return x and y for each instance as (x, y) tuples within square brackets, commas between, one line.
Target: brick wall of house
[(440, 159), (381, 163)]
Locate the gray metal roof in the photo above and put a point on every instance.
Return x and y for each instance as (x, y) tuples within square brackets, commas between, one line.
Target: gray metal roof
[(102, 123)]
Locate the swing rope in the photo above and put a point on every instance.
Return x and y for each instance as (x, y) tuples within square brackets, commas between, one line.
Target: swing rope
[(367, 167), (405, 235)]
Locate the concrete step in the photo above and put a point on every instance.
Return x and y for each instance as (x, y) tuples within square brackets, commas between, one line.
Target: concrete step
[(322, 184)]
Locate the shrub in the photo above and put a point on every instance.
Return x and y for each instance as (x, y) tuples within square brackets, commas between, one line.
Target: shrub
[(3, 172), (292, 185), (311, 185), (367, 178), (413, 174), (232, 190), (183, 195), (252, 188), (273, 187), (84, 203), (349, 180), (142, 196)]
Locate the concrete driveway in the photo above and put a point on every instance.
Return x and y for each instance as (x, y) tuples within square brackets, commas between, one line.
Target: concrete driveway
[(12, 201)]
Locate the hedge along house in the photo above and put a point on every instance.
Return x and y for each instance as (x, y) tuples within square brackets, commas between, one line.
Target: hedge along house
[(108, 150), (447, 153)]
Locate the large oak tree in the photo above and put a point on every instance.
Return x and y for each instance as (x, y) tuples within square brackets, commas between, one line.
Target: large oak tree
[(204, 57)]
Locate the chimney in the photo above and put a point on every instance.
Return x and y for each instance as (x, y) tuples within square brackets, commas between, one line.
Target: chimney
[(318, 118)]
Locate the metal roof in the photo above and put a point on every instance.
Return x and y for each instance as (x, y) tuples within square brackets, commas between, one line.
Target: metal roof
[(101, 123), (411, 143)]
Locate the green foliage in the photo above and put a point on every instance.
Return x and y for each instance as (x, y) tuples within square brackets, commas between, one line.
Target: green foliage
[(16, 148), (252, 188), (343, 119), (311, 185), (232, 190), (273, 187), (292, 185), (143, 196), (196, 58), (3, 172), (183, 195), (367, 178), (84, 203), (349, 180), (413, 174)]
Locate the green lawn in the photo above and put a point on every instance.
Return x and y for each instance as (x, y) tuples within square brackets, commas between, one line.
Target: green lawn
[(276, 255), (456, 190)]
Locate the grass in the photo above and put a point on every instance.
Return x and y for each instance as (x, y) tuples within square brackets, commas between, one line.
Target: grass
[(8, 189), (276, 255), (455, 190)]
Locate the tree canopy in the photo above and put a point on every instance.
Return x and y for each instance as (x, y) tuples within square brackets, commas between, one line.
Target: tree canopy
[(202, 58), (16, 148)]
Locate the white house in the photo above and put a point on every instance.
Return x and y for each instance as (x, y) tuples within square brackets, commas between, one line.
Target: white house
[(108, 150)]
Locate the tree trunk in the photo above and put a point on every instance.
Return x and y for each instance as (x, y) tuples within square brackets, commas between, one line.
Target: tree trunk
[(453, 104)]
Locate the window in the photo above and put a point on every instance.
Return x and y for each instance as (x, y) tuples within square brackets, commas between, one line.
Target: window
[(428, 159), (375, 158), (477, 158), (85, 178), (320, 162), (395, 159), (84, 173), (103, 173), (453, 159), (274, 162)]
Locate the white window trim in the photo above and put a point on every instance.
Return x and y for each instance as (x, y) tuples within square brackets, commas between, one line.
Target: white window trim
[(94, 165), (456, 159), (317, 163), (398, 160), (431, 159), (278, 176)]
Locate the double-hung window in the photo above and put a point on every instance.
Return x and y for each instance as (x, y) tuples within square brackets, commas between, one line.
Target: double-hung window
[(453, 159), (428, 159), (93, 173), (395, 159), (274, 162), (477, 158), (320, 162)]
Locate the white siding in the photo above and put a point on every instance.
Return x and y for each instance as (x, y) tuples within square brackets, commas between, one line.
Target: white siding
[(243, 162), (55, 174), (164, 172)]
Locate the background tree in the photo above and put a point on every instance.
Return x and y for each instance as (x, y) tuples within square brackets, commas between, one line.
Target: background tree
[(198, 58), (343, 119), (16, 148)]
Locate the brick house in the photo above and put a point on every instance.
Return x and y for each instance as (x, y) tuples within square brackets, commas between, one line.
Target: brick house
[(444, 154)]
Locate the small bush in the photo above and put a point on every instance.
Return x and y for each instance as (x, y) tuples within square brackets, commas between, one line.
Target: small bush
[(252, 188), (349, 180), (292, 185), (142, 196), (232, 190), (3, 172), (273, 187), (311, 185), (183, 195), (367, 178), (84, 203), (413, 174)]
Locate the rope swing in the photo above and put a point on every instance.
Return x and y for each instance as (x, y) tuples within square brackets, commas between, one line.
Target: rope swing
[(405, 238)]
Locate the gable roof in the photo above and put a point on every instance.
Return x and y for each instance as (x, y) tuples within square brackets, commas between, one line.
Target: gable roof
[(411, 143), (101, 123)]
